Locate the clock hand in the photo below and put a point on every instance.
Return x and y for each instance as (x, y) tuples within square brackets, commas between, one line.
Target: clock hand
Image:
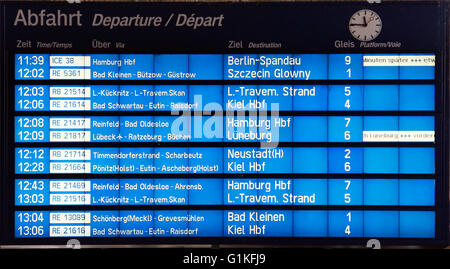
[(365, 22), (357, 24)]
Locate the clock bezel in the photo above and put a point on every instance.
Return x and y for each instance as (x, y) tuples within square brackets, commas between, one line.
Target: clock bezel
[(375, 35)]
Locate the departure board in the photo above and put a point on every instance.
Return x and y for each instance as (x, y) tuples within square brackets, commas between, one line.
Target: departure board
[(251, 123)]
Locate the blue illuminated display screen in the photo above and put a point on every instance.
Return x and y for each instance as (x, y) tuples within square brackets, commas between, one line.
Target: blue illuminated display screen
[(319, 143), (270, 174)]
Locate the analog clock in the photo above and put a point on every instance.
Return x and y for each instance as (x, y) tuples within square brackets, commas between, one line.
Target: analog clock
[(365, 25)]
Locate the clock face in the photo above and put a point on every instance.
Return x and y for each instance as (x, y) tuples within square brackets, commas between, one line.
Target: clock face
[(365, 25)]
